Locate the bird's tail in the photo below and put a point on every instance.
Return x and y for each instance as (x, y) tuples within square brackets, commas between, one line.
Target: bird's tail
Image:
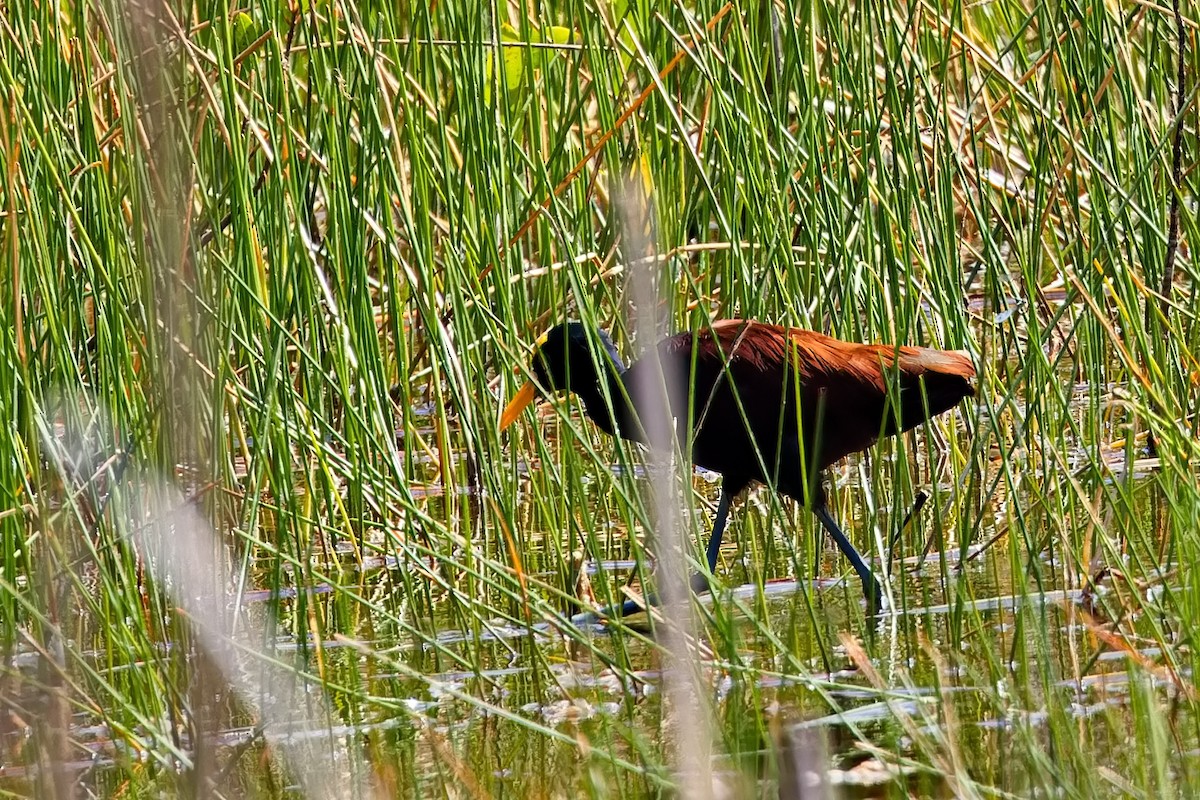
[(930, 383)]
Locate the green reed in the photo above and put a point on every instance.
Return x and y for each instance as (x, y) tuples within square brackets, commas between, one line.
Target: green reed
[(291, 259)]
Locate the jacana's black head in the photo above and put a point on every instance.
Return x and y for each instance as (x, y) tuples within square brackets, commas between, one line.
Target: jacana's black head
[(564, 362), (564, 358)]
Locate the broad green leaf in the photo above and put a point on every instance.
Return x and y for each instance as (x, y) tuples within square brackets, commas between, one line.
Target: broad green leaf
[(557, 34), (554, 34), (514, 61), (244, 31)]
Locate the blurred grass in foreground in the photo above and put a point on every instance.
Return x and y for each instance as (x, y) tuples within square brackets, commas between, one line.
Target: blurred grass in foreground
[(227, 233)]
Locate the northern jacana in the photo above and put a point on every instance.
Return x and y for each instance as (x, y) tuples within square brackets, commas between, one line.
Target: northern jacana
[(756, 402)]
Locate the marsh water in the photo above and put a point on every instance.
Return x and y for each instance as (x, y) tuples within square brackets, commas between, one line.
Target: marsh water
[(995, 653)]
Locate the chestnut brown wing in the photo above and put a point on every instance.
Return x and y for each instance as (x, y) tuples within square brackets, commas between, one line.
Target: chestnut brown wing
[(761, 395)]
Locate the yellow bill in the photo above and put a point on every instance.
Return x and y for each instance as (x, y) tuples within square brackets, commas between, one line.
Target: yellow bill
[(519, 403)]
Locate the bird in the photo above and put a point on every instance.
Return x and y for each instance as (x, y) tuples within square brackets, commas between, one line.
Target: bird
[(754, 402)]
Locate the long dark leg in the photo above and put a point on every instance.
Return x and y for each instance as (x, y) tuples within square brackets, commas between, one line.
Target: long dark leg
[(871, 587), (718, 531), (698, 581)]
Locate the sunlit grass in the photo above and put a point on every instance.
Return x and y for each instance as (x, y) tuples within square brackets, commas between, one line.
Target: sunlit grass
[(291, 259)]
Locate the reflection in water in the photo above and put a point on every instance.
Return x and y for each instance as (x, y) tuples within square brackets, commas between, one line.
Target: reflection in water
[(988, 650)]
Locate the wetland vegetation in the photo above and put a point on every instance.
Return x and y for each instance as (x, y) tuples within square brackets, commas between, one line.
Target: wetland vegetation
[(271, 271)]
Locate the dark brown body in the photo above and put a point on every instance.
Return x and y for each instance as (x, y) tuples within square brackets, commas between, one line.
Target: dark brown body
[(754, 402), (778, 405)]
